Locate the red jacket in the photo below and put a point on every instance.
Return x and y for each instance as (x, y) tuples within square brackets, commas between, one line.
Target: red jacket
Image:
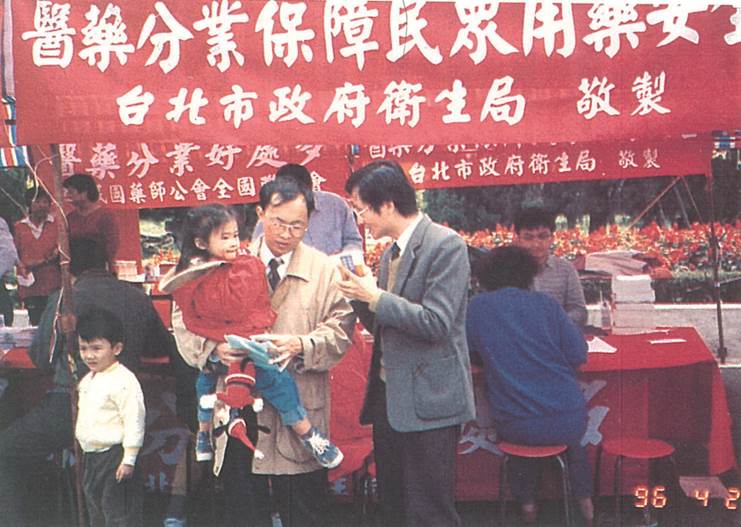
[(32, 251), (231, 298)]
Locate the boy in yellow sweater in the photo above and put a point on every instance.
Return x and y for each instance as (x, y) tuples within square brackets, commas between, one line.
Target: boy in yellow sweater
[(110, 424)]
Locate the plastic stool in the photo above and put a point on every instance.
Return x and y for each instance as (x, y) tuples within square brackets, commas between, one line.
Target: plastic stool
[(632, 448), (536, 452)]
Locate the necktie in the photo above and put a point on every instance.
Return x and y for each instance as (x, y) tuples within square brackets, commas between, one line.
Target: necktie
[(273, 276), (395, 251)]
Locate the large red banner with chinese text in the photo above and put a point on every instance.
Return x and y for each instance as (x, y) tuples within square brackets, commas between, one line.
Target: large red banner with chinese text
[(401, 71)]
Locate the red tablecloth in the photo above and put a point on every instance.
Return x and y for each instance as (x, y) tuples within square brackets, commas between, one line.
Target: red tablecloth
[(670, 391)]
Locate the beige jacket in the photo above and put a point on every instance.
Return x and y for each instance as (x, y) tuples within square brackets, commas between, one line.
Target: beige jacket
[(193, 352), (310, 306)]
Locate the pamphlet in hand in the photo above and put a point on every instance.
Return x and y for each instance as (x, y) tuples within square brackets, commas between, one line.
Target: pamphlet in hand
[(256, 351)]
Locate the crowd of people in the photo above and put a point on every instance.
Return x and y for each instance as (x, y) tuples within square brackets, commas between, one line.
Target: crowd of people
[(524, 329)]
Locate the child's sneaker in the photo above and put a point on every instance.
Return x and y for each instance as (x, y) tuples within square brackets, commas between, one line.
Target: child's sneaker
[(326, 454), (204, 450)]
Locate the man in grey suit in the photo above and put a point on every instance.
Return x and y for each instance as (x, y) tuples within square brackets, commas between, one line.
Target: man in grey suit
[(419, 386)]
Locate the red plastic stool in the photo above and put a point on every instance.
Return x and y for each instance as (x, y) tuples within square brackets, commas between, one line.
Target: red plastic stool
[(632, 448), (536, 452)]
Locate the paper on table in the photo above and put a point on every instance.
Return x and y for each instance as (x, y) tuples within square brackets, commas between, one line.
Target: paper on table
[(597, 345), (666, 341)]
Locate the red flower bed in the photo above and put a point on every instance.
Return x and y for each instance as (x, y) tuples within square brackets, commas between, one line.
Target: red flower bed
[(674, 249)]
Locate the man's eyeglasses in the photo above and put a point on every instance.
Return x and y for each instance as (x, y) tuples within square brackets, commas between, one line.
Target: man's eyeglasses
[(358, 212), (294, 229)]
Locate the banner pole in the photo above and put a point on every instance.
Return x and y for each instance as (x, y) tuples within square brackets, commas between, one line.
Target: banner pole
[(715, 263), (66, 313)]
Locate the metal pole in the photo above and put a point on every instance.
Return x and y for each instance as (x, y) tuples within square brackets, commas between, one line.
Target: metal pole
[(715, 262), (69, 335)]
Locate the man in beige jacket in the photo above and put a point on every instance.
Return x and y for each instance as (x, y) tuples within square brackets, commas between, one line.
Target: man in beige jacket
[(313, 330)]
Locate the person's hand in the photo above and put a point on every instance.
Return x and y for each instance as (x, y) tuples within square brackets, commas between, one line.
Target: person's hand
[(284, 348), (124, 472), (362, 288), (227, 354)]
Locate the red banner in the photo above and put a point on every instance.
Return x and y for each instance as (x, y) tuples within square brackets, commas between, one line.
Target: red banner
[(365, 71), (143, 175), (460, 165)]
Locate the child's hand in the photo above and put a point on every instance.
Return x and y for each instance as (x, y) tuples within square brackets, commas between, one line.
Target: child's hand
[(226, 354), (124, 472)]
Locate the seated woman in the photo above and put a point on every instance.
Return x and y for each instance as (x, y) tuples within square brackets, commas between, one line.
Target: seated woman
[(530, 352)]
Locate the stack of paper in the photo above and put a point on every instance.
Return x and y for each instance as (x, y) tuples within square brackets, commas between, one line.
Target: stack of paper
[(633, 299), (634, 289)]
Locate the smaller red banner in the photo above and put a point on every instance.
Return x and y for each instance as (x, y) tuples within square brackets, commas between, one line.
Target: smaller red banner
[(448, 166)]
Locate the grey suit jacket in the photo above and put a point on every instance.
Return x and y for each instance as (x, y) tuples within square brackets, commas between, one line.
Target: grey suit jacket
[(419, 327)]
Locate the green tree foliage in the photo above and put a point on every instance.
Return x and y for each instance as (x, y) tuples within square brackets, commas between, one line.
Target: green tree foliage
[(13, 185), (471, 209)]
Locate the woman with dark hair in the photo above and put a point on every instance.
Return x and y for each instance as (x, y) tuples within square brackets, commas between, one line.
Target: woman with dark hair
[(90, 219), (530, 352)]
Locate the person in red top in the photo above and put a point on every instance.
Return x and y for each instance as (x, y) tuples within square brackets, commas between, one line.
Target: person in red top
[(222, 289), (90, 219), (36, 239)]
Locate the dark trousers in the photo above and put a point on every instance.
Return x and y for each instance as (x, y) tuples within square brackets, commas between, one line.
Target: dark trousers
[(415, 472), (300, 499), (6, 304), (35, 306), (567, 429), (24, 446), (111, 503)]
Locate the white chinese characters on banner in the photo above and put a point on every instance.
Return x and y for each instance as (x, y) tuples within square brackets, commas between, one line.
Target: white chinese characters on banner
[(202, 172), (349, 102), (472, 15), (105, 35), (457, 102), (52, 45), (611, 20), (596, 98), (354, 20), (550, 26), (500, 105), (180, 105), (218, 20), (485, 161), (68, 154), (238, 106), (134, 105), (285, 44), (402, 103), (176, 33), (141, 161), (104, 161), (351, 22), (289, 105), (406, 31)]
